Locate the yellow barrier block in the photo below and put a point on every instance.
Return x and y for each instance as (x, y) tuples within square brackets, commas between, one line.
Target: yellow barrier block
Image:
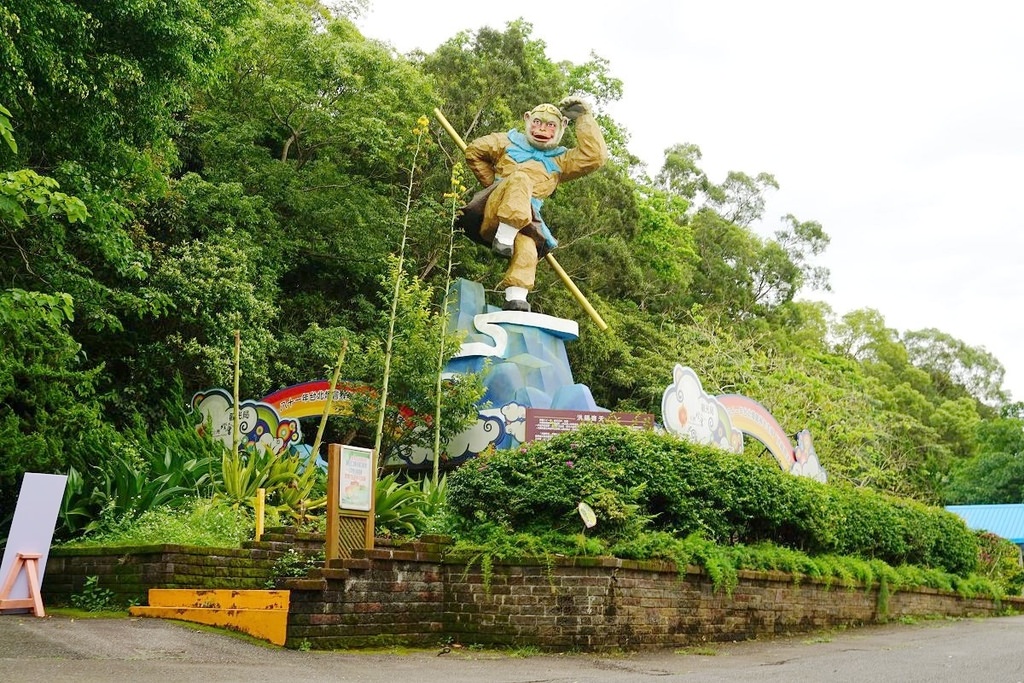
[(260, 614)]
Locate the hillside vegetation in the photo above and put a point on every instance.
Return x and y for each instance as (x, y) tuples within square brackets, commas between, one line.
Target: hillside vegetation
[(173, 172)]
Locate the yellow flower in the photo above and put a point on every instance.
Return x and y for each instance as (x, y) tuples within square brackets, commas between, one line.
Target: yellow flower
[(423, 121)]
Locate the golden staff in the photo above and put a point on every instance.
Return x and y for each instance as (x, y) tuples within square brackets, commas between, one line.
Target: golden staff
[(562, 275)]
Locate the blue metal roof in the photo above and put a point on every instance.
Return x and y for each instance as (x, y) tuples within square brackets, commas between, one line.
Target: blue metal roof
[(1002, 520)]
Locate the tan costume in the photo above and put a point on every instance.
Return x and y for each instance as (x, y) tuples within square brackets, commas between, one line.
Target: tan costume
[(512, 200)]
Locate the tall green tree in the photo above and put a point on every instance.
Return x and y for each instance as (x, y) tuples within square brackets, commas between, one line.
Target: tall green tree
[(996, 474), (487, 79), (49, 401), (96, 90), (99, 83), (313, 118), (49, 395), (956, 366), (738, 272), (220, 267)]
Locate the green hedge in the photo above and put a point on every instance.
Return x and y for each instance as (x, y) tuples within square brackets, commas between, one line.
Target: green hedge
[(639, 481)]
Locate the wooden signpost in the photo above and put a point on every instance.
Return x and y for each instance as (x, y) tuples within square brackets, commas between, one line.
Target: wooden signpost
[(351, 484)]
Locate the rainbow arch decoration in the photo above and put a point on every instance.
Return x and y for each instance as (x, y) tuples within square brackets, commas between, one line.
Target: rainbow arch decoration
[(259, 423), (309, 399), (273, 421), (691, 413), (753, 419)]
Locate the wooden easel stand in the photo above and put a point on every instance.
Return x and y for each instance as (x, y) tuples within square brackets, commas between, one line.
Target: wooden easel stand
[(30, 563)]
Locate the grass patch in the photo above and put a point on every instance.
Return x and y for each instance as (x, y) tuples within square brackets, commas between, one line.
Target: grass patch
[(698, 650), (199, 522), (75, 613)]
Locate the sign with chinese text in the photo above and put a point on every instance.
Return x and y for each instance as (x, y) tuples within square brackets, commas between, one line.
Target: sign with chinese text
[(542, 424), (356, 480)]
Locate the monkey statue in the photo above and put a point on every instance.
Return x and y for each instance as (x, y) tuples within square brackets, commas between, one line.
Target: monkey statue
[(518, 171)]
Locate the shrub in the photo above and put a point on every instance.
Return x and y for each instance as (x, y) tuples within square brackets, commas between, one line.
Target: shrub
[(538, 489), (201, 522), (637, 481), (127, 478), (1000, 561), (94, 598), (407, 508)]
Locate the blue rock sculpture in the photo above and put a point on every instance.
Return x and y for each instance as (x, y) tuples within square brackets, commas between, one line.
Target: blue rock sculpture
[(524, 364)]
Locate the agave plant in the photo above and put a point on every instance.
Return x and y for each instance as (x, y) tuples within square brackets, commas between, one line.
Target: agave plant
[(435, 495), (128, 479), (400, 507), (76, 509), (295, 499), (289, 482)]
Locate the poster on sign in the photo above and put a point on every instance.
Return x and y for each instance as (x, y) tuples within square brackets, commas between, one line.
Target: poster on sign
[(357, 470)]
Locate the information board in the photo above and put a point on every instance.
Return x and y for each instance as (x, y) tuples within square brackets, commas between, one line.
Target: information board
[(356, 480), (542, 424)]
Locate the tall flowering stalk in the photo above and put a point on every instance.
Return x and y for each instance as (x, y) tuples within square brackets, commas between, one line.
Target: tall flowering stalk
[(454, 194), (419, 131)]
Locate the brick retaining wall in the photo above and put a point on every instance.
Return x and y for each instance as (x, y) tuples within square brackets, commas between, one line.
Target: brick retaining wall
[(129, 572), (411, 596), (414, 595)]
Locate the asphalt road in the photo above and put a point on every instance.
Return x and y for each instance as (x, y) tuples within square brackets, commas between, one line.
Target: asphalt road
[(58, 649)]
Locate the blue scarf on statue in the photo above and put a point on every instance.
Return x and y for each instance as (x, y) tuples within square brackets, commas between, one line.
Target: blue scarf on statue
[(521, 150)]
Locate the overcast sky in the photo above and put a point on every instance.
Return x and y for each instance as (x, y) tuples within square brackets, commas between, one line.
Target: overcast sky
[(898, 125)]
